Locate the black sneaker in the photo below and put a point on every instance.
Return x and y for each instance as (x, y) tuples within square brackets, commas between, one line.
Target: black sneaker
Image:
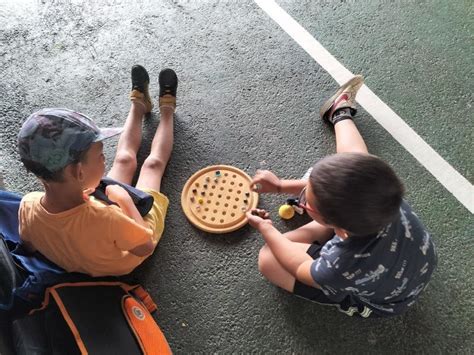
[(140, 83), (168, 85)]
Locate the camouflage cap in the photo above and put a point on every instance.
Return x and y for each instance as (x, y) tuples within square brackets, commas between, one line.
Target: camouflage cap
[(54, 137)]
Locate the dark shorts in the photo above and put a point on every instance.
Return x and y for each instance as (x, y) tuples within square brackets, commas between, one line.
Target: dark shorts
[(316, 295), (308, 292)]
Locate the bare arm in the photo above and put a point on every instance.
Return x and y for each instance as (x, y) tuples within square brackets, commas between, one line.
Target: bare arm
[(143, 249), (294, 260), (118, 195), (265, 181), (309, 233), (292, 187), (121, 197), (129, 209)]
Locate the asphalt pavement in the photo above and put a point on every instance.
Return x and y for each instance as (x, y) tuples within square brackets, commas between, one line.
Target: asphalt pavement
[(249, 96)]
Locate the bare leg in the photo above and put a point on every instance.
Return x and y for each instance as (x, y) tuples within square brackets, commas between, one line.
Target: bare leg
[(269, 266), (303, 237), (154, 166), (125, 162), (348, 138)]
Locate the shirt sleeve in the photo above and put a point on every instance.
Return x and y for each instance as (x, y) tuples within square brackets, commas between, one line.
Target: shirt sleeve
[(327, 272), (324, 274), (25, 210), (127, 234)]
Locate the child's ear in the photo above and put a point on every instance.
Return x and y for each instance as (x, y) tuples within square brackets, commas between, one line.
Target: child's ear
[(75, 171), (80, 172)]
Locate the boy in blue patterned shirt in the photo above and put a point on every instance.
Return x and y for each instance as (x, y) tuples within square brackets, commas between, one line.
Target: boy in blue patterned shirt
[(366, 251)]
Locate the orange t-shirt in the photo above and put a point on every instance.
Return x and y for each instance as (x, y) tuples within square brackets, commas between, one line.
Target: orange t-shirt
[(91, 238)]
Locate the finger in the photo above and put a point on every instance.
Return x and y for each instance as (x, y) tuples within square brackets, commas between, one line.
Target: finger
[(251, 217), (253, 212), (257, 178), (260, 174), (109, 189)]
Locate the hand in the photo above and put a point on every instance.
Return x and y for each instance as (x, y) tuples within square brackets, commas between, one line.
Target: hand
[(265, 181), (117, 194), (258, 218)]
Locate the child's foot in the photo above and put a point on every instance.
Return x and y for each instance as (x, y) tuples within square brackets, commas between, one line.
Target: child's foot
[(140, 82), (168, 85), (344, 98)]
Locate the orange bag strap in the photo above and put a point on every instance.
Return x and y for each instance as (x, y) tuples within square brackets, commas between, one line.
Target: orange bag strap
[(145, 297), (70, 322), (148, 334), (44, 304)]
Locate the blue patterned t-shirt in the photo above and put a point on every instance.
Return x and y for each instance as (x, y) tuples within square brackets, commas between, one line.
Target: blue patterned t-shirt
[(384, 273)]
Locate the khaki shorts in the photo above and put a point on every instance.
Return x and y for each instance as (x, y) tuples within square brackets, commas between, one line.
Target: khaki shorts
[(156, 216)]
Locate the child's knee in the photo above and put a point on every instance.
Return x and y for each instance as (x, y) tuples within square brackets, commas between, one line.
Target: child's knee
[(154, 164), (126, 160), (265, 260)]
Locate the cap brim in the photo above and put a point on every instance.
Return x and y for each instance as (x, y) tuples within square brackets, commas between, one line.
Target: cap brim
[(108, 133)]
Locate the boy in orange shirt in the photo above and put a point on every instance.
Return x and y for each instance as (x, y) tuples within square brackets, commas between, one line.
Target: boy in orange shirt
[(64, 150)]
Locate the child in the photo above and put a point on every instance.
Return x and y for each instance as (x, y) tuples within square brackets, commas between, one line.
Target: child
[(64, 150), (366, 251)]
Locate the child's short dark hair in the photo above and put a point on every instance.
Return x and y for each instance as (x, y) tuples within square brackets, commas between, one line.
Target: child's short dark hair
[(356, 192), (53, 176)]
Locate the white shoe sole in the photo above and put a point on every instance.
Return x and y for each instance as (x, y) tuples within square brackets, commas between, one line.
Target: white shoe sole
[(352, 86)]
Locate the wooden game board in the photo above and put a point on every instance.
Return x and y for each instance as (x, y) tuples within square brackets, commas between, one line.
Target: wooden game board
[(215, 199)]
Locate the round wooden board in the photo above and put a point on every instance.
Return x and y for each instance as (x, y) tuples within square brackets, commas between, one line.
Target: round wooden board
[(216, 203)]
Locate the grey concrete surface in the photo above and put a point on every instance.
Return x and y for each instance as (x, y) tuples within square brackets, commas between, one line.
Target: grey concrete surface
[(248, 96)]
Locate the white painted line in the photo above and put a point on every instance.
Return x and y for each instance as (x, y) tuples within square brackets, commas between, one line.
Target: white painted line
[(453, 181)]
